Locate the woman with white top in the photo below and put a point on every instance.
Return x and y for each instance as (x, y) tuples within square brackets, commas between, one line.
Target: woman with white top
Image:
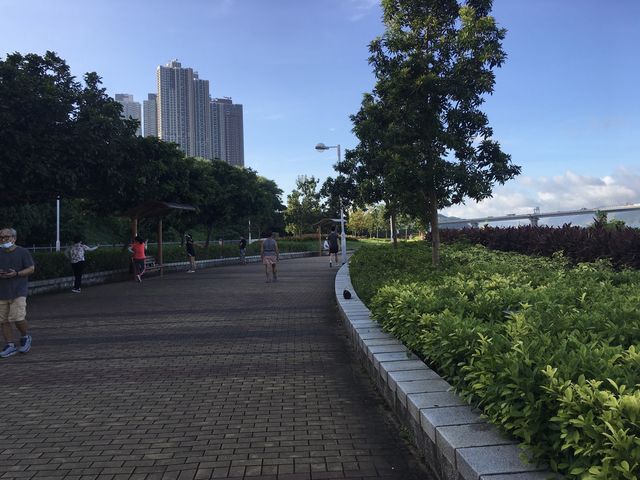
[(76, 254)]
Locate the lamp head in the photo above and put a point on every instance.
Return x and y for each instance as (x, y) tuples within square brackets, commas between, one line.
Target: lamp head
[(321, 147)]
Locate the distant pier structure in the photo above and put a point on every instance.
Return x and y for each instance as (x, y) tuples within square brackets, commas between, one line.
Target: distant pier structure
[(536, 215)]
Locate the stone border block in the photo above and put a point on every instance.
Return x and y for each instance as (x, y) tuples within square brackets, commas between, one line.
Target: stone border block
[(474, 462)]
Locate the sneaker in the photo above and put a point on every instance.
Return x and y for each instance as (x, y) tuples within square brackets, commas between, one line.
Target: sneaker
[(75, 290), (9, 349), (25, 343), (191, 271)]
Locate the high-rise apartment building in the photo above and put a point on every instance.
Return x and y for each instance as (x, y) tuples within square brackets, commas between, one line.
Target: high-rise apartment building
[(202, 118), (186, 115), (175, 105), (227, 131), (150, 115), (130, 109)]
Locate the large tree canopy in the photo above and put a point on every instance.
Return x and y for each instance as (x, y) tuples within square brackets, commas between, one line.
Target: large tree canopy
[(59, 137), (424, 142), (64, 138)]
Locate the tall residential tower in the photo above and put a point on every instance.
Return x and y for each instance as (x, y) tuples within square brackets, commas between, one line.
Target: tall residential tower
[(227, 131), (149, 109), (186, 115), (175, 104), (130, 109)]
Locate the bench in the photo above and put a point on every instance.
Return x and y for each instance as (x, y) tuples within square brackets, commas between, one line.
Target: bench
[(150, 264)]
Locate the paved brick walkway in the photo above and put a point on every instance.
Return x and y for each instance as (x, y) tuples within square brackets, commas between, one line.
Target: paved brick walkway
[(195, 376)]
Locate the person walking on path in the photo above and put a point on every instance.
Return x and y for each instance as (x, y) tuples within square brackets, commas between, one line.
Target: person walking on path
[(138, 248), (75, 253), (16, 264), (270, 254), (332, 240), (243, 249), (191, 252)]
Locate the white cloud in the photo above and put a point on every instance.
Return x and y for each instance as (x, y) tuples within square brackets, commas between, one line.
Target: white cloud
[(361, 8), (569, 191)]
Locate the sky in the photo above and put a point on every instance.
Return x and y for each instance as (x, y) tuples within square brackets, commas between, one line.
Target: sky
[(566, 103)]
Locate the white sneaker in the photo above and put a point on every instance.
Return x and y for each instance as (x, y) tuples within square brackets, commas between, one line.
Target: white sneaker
[(75, 290), (8, 350), (25, 344)]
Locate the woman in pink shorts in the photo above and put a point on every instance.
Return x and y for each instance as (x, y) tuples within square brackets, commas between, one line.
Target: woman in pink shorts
[(270, 254)]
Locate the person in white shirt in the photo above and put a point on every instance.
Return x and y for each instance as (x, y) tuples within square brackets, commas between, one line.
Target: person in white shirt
[(75, 253)]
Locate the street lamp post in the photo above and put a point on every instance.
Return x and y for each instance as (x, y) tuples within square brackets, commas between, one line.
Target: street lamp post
[(58, 223), (321, 147)]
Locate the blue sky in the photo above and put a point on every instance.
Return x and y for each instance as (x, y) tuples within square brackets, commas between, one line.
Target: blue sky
[(566, 102)]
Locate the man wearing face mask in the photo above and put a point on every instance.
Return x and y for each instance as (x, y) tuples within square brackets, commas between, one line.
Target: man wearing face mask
[(16, 264)]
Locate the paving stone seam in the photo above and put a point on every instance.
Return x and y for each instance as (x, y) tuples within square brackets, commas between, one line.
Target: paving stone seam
[(455, 441)]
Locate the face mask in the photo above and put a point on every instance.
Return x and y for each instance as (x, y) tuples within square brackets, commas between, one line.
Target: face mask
[(6, 245)]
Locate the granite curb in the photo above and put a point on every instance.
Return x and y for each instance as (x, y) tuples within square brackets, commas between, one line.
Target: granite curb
[(457, 444), (96, 278)]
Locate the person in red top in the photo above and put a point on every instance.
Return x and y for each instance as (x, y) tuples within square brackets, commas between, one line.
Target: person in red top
[(138, 248)]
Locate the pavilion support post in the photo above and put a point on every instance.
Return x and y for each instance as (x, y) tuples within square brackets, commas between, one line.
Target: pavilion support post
[(319, 240), (160, 260), (134, 228)]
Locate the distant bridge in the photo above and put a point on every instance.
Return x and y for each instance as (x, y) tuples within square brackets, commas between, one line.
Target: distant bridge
[(537, 215)]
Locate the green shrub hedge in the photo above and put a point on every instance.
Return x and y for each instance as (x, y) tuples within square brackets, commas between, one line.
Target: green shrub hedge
[(56, 264), (549, 352)]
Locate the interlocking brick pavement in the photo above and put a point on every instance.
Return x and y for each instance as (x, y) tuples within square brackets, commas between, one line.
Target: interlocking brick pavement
[(209, 375)]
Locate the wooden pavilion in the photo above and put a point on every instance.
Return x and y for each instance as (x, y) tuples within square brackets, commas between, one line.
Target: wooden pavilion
[(154, 209)]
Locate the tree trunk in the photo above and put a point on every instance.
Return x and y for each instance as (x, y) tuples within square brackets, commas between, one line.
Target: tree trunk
[(209, 230), (435, 229), (394, 236)]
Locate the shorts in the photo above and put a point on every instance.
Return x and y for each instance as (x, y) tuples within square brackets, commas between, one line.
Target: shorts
[(269, 260), (13, 310), (191, 253), (333, 249)]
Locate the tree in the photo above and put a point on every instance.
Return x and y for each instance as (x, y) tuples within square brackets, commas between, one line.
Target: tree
[(370, 166), (303, 206), (434, 66), (358, 222), (268, 209), (601, 221), (39, 103)]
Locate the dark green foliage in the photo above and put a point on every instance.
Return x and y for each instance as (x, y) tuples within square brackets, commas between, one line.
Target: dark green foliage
[(56, 264), (621, 245), (303, 206), (425, 144), (63, 138), (549, 351)]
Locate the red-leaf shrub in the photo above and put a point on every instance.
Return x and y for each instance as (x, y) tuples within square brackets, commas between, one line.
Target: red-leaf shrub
[(621, 246)]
